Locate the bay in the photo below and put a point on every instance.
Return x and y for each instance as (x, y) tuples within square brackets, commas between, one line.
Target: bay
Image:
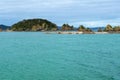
[(39, 56)]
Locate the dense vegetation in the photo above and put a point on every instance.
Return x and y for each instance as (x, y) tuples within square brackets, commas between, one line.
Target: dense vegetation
[(45, 25), (81, 28), (67, 27), (34, 25), (110, 29), (84, 29)]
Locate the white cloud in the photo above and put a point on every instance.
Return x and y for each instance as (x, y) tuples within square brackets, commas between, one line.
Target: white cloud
[(100, 23), (61, 11), (9, 6), (26, 5)]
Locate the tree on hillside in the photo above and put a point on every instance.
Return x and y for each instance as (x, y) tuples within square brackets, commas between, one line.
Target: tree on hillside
[(34, 25), (108, 28), (81, 28), (67, 27), (88, 30), (116, 28)]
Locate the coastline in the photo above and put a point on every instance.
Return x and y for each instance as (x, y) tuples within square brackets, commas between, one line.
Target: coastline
[(74, 32), (67, 32)]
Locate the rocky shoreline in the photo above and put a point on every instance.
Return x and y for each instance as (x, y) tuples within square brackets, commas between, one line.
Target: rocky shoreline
[(74, 32)]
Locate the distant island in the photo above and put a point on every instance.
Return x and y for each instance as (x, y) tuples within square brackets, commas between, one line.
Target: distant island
[(33, 25), (4, 27)]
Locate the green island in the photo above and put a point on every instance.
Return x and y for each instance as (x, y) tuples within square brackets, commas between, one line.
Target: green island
[(34, 25), (43, 25)]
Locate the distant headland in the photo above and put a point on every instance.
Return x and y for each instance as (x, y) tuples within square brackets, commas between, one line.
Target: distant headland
[(43, 25)]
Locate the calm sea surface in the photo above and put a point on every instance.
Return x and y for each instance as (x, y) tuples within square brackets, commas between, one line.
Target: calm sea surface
[(39, 56)]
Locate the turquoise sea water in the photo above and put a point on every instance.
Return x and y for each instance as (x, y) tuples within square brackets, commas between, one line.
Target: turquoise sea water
[(39, 56)]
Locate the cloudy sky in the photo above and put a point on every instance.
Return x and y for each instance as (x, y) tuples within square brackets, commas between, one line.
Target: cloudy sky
[(90, 13)]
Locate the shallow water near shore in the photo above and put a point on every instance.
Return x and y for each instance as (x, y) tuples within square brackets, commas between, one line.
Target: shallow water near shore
[(39, 56)]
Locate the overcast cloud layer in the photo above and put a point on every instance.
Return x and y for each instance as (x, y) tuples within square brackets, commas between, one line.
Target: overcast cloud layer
[(90, 13)]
